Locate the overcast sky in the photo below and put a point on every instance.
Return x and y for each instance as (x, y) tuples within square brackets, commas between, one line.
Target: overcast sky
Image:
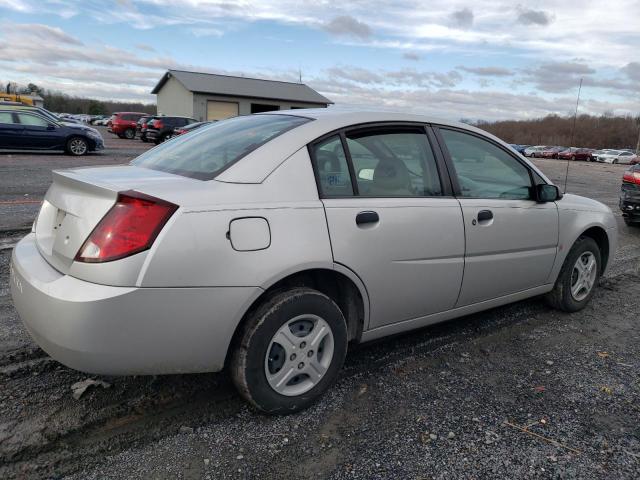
[(456, 59)]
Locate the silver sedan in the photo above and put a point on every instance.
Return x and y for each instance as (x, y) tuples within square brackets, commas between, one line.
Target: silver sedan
[(267, 243)]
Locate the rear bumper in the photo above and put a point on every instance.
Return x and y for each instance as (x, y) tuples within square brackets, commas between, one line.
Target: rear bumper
[(630, 205), (124, 330)]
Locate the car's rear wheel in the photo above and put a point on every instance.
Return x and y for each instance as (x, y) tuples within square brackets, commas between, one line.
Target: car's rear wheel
[(77, 146), (289, 351), (578, 276), (129, 133)]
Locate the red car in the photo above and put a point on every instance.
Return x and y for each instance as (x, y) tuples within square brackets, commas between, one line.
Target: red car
[(123, 124), (574, 153), (551, 152)]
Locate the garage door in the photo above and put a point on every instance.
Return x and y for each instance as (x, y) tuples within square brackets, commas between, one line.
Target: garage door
[(221, 110)]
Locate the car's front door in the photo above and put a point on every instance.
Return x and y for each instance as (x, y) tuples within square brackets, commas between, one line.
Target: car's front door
[(38, 132), (390, 219), (511, 240), (10, 130)]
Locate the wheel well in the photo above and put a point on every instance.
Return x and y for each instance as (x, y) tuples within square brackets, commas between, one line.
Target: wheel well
[(337, 286), (600, 237)]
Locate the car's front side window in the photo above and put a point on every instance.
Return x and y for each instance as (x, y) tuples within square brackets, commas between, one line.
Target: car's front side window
[(484, 170), (393, 163), (33, 120)]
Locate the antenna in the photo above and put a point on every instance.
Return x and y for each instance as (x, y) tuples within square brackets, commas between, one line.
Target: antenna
[(300, 74), (573, 132)]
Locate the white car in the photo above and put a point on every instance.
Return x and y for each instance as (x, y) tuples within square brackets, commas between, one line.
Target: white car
[(532, 151), (623, 157), (267, 243)]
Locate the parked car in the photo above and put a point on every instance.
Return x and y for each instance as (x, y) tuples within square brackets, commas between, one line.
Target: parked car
[(141, 126), (630, 196), (161, 128), (551, 152), (29, 129), (267, 243), (533, 151), (574, 153), (617, 156), (123, 124), (519, 148), (97, 118), (189, 128)]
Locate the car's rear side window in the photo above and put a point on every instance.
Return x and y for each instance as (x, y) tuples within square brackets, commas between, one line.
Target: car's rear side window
[(6, 117), (332, 168), (210, 149)]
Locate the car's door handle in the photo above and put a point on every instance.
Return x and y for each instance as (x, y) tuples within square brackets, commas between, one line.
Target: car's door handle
[(485, 215), (367, 217)]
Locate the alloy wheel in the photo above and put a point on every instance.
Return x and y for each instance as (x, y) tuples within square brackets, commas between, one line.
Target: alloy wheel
[(583, 276), (78, 146), (299, 355)]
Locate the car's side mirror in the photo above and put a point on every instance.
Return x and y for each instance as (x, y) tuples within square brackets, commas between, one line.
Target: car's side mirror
[(51, 126), (547, 193)]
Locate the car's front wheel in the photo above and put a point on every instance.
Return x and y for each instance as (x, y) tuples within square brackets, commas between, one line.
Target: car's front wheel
[(578, 276), (289, 351), (129, 134), (77, 146)]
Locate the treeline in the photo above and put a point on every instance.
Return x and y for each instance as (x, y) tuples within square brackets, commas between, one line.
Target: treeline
[(59, 102), (604, 131)]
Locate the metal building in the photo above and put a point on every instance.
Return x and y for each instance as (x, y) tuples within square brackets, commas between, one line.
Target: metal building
[(207, 96)]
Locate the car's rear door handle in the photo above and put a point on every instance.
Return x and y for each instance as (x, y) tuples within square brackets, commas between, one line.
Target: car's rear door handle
[(485, 215), (367, 217)]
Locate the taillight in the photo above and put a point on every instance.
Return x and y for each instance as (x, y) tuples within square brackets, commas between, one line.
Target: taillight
[(181, 131), (631, 176), (130, 226), (157, 124)]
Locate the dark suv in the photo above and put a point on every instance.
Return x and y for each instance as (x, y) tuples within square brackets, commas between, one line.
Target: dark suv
[(161, 128), (141, 126)]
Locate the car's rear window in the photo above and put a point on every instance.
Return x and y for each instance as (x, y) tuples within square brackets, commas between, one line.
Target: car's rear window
[(209, 150)]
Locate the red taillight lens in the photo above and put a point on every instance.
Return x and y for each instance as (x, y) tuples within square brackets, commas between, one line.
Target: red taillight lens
[(631, 176), (129, 227), (157, 124), (181, 131)]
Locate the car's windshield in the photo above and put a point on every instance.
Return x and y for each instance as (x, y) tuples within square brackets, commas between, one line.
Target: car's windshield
[(212, 148)]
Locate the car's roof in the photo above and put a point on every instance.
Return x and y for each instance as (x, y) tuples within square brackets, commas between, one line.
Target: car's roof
[(345, 116), (254, 167)]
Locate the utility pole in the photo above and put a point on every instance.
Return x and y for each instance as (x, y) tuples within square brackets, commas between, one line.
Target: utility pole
[(638, 144)]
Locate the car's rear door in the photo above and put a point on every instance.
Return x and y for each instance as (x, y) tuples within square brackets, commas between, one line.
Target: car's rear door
[(392, 219), (511, 240), (10, 130)]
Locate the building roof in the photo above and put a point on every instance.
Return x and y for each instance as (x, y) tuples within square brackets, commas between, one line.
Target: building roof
[(243, 87)]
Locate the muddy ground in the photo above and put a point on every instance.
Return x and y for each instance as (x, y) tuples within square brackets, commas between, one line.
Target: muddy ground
[(447, 401)]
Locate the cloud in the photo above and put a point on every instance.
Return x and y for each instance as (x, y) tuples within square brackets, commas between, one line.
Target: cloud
[(349, 26), (207, 32), (411, 56), (534, 17), (488, 71), (463, 18), (145, 47), (40, 32), (632, 70), (558, 77)]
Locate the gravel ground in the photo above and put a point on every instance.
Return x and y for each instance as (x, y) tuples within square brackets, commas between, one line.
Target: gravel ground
[(446, 401)]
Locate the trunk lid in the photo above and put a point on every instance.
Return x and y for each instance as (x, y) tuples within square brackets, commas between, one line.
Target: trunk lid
[(79, 198)]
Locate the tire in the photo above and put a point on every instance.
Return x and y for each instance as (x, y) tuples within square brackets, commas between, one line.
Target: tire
[(630, 223), (257, 351), (573, 158), (129, 134), (77, 146), (562, 297), (144, 139), (120, 135)]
